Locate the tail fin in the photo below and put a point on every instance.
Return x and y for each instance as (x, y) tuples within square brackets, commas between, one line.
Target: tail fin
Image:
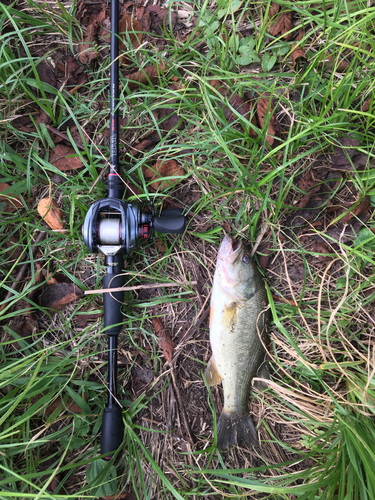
[(235, 429)]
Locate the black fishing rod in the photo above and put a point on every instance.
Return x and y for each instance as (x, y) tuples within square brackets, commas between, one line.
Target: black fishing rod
[(113, 228)]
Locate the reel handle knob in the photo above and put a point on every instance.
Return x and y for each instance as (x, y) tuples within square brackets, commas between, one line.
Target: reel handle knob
[(170, 221)]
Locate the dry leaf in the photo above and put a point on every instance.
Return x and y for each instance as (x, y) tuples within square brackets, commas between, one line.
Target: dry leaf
[(283, 23), (143, 17), (46, 73), (166, 342), (163, 168), (50, 213), (11, 202), (242, 107), (160, 17), (366, 105), (43, 118), (264, 107), (59, 158), (168, 120), (159, 245), (57, 296), (87, 50), (357, 209), (297, 51), (144, 76), (273, 10), (129, 27), (58, 403)]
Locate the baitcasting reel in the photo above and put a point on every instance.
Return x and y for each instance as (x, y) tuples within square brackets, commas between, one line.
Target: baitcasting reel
[(112, 225)]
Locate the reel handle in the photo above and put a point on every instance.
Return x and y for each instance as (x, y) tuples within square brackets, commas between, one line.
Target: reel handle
[(170, 221)]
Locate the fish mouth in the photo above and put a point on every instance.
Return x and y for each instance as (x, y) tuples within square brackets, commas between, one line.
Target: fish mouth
[(229, 248)]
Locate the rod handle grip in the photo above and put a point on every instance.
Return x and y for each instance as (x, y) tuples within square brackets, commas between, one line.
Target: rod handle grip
[(113, 303), (112, 431)]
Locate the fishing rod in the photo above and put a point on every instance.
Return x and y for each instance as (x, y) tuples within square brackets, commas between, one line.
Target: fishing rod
[(113, 227)]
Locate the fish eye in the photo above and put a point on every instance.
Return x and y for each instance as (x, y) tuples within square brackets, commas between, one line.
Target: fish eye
[(245, 259)]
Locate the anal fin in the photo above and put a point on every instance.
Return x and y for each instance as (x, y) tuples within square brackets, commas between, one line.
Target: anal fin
[(211, 374)]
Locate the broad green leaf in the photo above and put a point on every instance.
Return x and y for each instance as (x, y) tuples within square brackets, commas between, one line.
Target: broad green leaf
[(247, 55), (247, 40), (71, 443), (268, 62), (228, 7), (105, 480)]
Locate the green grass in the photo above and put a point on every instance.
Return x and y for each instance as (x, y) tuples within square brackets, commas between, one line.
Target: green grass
[(322, 389)]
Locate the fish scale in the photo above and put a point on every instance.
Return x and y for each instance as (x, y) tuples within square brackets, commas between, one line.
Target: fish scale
[(237, 322)]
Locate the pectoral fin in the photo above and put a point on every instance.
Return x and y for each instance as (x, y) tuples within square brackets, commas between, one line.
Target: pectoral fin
[(211, 374)]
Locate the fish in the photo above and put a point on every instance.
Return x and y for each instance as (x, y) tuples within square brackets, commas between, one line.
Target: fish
[(238, 330)]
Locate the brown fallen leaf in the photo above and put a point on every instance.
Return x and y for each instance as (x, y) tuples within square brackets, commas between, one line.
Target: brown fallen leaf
[(168, 120), (283, 23), (264, 107), (161, 18), (87, 49), (367, 104), (42, 118), (166, 342), (52, 279), (163, 168), (144, 76), (23, 124), (51, 214), (337, 65), (272, 12), (46, 73), (65, 158), (159, 244), (26, 327), (76, 136), (129, 27), (12, 202), (242, 107), (46, 466), (264, 252), (143, 17), (226, 226), (70, 405), (309, 183), (339, 62), (357, 209), (345, 154), (297, 51), (81, 320), (55, 297), (319, 200)]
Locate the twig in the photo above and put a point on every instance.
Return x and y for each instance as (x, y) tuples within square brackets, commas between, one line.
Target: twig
[(63, 136), (138, 287)]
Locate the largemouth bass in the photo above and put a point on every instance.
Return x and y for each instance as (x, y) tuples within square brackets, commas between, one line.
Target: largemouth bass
[(237, 324)]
